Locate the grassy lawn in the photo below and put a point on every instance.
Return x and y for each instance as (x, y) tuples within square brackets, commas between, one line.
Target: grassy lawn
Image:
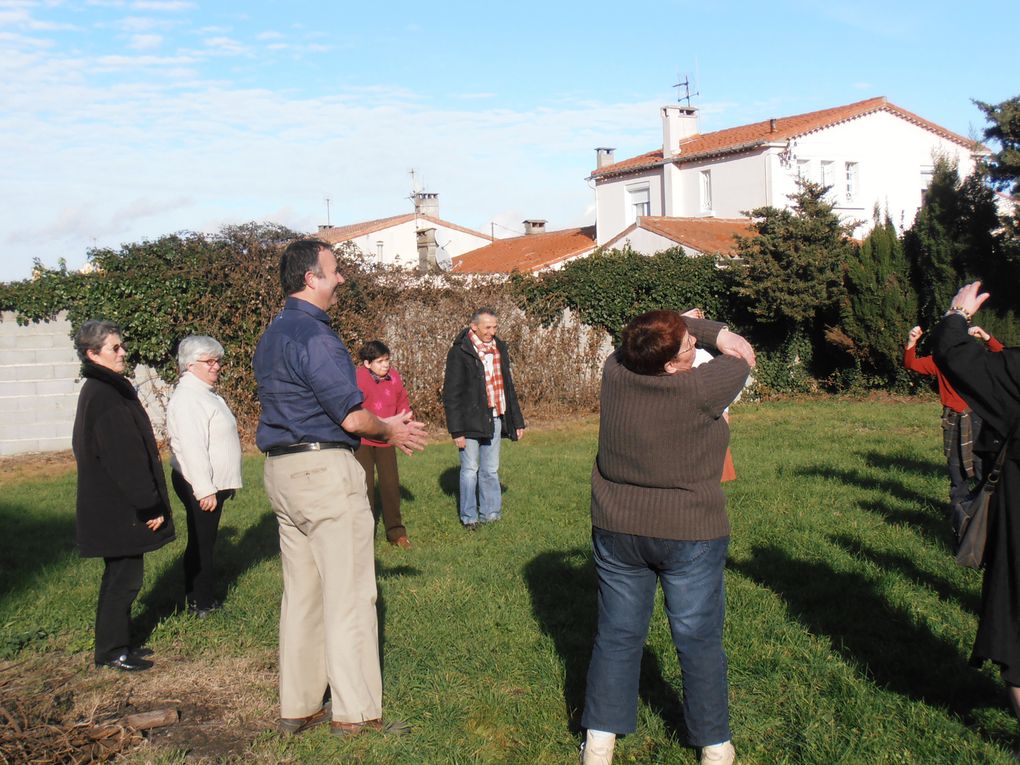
[(848, 625)]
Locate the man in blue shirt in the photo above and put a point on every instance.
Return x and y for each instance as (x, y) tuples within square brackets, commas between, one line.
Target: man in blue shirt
[(311, 423)]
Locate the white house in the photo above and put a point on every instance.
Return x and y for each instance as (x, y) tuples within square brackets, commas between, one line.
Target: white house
[(870, 152), (412, 240)]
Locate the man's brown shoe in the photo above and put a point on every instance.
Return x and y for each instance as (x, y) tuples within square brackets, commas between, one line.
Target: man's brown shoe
[(392, 728), (402, 541), (291, 726)]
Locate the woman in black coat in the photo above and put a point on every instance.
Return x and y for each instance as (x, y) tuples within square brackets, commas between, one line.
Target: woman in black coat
[(990, 384), (123, 508)]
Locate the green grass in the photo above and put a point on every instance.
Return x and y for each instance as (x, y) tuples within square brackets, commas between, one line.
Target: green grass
[(848, 625)]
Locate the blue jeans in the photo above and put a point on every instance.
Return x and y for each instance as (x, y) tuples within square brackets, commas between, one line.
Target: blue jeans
[(691, 573), (479, 477)]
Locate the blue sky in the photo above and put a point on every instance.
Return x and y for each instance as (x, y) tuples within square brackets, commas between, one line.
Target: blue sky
[(122, 120)]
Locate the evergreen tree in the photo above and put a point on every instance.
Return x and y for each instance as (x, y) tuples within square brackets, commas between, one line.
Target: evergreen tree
[(1004, 168), (931, 248), (880, 305), (791, 273), (957, 237)]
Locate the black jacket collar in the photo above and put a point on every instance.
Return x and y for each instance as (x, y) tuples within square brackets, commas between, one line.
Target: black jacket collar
[(96, 372)]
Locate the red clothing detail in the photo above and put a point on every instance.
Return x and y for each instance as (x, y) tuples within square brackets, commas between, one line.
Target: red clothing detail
[(925, 365), (384, 398)]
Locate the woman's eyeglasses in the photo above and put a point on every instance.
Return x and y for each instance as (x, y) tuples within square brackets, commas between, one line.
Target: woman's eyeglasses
[(210, 362)]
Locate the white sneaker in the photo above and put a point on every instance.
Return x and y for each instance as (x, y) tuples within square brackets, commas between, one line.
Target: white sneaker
[(597, 755), (718, 754)]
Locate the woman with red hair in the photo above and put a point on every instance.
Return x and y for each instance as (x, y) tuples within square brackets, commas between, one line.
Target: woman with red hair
[(658, 516)]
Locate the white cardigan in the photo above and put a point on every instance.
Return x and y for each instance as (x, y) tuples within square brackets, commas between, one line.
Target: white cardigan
[(203, 437)]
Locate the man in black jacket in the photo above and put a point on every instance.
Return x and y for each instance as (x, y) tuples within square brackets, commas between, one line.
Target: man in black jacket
[(481, 408)]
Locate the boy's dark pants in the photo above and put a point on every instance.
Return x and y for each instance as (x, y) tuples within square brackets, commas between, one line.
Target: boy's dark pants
[(383, 459)]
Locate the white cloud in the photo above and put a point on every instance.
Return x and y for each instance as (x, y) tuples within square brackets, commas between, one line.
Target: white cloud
[(162, 5), (145, 42), (227, 46)]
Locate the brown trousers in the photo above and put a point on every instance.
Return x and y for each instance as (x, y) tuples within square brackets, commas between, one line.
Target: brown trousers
[(383, 459)]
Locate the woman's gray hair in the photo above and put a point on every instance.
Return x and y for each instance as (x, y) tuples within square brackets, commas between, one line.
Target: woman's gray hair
[(194, 347), (92, 335)]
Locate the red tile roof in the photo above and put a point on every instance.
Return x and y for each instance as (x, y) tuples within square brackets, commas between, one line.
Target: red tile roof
[(758, 134), (528, 253), (706, 235), (338, 234)]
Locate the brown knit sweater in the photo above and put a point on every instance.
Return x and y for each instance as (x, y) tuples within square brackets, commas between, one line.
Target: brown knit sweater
[(662, 440)]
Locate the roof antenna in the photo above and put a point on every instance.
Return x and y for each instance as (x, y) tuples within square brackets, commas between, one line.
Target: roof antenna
[(685, 94), (327, 212)]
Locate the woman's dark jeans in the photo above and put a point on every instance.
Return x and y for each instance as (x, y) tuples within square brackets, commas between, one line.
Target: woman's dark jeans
[(691, 573)]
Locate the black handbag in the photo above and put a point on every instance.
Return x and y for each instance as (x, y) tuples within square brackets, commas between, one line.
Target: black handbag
[(970, 516)]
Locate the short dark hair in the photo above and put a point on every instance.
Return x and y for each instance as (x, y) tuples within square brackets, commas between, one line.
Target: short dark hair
[(298, 258), (372, 350), (91, 335), (652, 339), (483, 311)]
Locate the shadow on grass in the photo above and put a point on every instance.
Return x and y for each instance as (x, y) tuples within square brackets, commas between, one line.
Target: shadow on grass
[(233, 556), (563, 598), (31, 542), (931, 524), (882, 640), (908, 462), (904, 566)]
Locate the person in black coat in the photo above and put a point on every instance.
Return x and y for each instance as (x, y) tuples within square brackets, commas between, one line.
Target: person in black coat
[(481, 407), (123, 507), (990, 384)]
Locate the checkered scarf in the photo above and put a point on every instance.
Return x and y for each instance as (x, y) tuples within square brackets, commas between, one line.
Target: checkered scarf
[(495, 393)]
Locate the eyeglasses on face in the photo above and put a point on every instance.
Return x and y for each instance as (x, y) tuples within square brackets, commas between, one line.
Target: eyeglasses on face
[(209, 362), (116, 348)]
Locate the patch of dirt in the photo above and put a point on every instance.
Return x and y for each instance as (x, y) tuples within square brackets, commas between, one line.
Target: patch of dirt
[(25, 467), (53, 708)]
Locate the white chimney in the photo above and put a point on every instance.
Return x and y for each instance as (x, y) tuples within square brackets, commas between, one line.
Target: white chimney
[(603, 157), (427, 248), (678, 122), (426, 203), (534, 226)]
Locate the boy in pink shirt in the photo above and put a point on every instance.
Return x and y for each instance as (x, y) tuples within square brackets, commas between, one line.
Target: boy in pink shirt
[(385, 396)]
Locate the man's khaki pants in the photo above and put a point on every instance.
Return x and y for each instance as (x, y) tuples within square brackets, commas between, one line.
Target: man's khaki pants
[(329, 631)]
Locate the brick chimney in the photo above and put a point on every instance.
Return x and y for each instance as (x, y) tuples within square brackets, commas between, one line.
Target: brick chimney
[(678, 122), (534, 227), (603, 157), (426, 203)]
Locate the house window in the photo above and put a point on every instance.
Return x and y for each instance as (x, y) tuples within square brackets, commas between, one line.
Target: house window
[(827, 178), (379, 248), (852, 181), (706, 190), (638, 202), (804, 169)]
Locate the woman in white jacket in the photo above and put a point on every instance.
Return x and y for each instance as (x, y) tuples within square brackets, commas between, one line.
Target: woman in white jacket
[(206, 462)]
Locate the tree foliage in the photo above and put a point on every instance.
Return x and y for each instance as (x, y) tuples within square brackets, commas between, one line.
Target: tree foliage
[(611, 287), (879, 305), (1004, 168), (792, 270)]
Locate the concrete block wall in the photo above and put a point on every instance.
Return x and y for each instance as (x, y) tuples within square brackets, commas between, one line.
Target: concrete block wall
[(39, 387)]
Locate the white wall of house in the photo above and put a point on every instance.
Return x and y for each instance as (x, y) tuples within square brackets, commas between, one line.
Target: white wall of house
[(885, 159), (648, 242), (398, 244), (894, 159), (615, 202)]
